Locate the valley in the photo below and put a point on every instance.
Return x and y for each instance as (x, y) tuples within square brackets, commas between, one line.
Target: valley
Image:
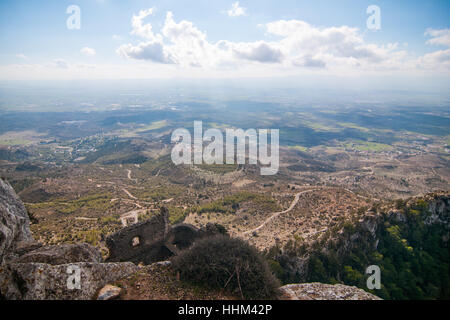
[(331, 174)]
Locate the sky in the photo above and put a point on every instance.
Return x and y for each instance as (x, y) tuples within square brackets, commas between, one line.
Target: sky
[(142, 39)]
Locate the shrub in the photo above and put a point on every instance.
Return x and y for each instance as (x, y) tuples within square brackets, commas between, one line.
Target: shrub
[(222, 230), (222, 262)]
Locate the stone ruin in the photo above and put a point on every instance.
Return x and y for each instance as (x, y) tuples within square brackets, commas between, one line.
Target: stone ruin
[(154, 240), (130, 218)]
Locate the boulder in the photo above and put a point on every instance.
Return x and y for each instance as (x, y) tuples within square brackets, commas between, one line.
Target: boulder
[(321, 291), (109, 292), (23, 247), (162, 263), (62, 254), (40, 281)]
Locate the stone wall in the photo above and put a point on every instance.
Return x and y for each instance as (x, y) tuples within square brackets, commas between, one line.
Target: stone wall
[(141, 242), (154, 240)]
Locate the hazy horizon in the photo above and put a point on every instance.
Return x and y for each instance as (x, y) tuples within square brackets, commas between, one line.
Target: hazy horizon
[(402, 43)]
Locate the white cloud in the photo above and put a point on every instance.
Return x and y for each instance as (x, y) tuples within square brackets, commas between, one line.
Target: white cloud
[(152, 51), (335, 45), (180, 48), (85, 66), (438, 59), (439, 37), (117, 37), (258, 51), (89, 52), (141, 29), (21, 56), (310, 62), (60, 64), (299, 45), (236, 10), (153, 48), (188, 45)]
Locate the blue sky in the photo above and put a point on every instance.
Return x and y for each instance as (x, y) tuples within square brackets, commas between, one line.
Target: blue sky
[(36, 42)]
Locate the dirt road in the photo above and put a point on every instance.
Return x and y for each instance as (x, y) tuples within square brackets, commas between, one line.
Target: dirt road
[(276, 214), (129, 194)]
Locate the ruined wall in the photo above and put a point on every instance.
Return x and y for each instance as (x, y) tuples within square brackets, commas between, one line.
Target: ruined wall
[(154, 240), (141, 242)]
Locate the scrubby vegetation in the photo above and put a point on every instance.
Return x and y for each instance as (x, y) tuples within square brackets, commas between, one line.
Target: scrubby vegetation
[(219, 168), (176, 215), (225, 263), (230, 204), (159, 193), (96, 203), (119, 158)]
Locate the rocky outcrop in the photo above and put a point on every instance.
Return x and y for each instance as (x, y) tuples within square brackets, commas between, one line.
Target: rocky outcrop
[(41, 281), (32, 272), (23, 247), (320, 291), (362, 239), (439, 211), (62, 254), (14, 221)]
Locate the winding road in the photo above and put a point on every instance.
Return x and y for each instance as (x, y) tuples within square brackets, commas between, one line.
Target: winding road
[(129, 175), (276, 214)]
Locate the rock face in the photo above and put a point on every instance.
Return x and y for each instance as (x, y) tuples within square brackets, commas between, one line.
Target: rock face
[(14, 221), (439, 209), (41, 281), (23, 247), (32, 272), (320, 291), (154, 240), (62, 254)]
